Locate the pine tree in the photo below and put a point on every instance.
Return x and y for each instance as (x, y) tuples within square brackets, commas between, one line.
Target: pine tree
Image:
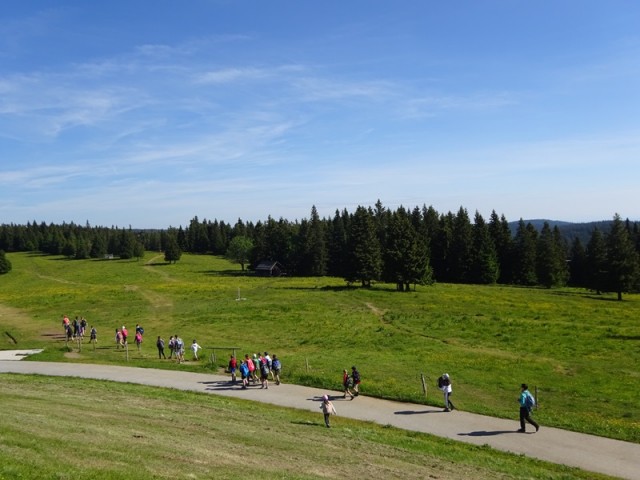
[(364, 248), (577, 264), (461, 244), (501, 235), (406, 255), (622, 258), (484, 260), (551, 262), (337, 246), (524, 254), (172, 251), (315, 248), (597, 268)]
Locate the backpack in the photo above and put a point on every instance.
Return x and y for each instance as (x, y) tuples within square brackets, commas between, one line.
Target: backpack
[(264, 369), (529, 401)]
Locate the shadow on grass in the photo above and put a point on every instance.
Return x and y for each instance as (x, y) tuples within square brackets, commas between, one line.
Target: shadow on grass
[(231, 273), (624, 337), (587, 295), (307, 423)]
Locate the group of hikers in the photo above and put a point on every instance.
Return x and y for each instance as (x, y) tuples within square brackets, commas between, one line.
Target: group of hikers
[(266, 367), (249, 368), (74, 330), (122, 337), (176, 348)]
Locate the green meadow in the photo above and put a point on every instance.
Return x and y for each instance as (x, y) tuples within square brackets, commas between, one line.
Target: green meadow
[(579, 349), (67, 428)]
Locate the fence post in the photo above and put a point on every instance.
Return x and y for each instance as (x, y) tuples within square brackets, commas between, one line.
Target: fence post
[(306, 362), (424, 385)]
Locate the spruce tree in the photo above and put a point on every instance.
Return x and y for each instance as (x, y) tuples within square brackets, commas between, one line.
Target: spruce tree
[(577, 264), (364, 248), (622, 258), (597, 268), (524, 255), (484, 260)]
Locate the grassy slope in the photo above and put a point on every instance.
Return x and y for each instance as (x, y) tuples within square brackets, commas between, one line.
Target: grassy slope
[(580, 350), (69, 428)]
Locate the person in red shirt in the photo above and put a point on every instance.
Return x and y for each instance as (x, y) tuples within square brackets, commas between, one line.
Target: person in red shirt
[(233, 366)]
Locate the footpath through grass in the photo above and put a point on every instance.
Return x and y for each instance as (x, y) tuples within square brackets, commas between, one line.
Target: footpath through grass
[(579, 349), (70, 428)]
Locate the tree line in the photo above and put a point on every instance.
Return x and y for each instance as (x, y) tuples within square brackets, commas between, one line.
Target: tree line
[(405, 247)]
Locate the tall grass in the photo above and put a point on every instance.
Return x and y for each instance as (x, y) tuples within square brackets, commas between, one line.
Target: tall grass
[(579, 349)]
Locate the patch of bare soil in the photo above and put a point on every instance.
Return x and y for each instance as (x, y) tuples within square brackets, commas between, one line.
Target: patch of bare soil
[(376, 311)]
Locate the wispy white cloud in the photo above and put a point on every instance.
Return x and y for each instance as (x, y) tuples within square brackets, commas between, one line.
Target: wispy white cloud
[(432, 105)]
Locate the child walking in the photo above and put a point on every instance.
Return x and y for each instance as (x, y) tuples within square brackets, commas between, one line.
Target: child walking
[(327, 409), (194, 348)]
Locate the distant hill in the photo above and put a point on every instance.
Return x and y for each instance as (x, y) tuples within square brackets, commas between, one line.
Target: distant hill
[(569, 230)]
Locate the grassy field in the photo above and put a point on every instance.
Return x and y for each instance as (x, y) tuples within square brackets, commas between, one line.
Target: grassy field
[(581, 350), (64, 428)]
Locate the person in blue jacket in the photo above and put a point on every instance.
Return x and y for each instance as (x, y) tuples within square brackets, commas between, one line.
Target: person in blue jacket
[(527, 402)]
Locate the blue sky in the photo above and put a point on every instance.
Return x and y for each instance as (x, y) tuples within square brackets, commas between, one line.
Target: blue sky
[(149, 113)]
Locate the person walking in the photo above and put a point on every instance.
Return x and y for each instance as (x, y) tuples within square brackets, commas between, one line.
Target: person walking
[(179, 349), (94, 335), (160, 345), (276, 367), (264, 373), (172, 346), (355, 376), (194, 349), (244, 373), (138, 339), (527, 402), (346, 384), (233, 366), (269, 364), (444, 384), (327, 409)]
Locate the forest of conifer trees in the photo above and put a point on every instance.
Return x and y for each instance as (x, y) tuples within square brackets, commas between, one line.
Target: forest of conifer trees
[(373, 244)]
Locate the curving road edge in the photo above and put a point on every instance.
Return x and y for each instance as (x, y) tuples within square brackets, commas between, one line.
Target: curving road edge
[(588, 452)]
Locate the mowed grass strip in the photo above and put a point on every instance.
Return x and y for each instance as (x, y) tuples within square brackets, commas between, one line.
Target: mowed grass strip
[(72, 428), (578, 348)]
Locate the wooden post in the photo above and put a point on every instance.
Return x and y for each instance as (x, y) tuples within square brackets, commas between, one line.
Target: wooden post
[(424, 385), (79, 344), (306, 362), (126, 348)]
